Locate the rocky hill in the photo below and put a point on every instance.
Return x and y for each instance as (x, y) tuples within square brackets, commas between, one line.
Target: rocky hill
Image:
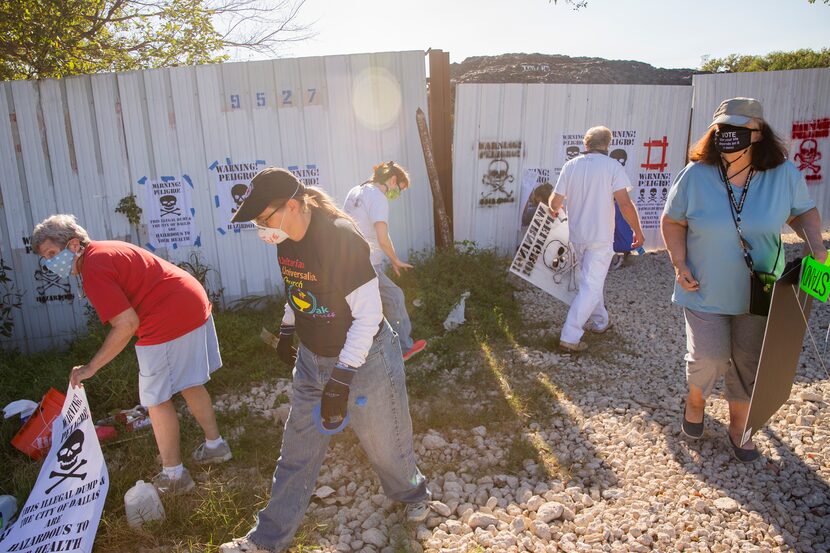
[(544, 68)]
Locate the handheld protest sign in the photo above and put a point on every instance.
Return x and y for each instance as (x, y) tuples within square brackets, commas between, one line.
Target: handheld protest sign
[(815, 278), (65, 504), (780, 350), (546, 258)]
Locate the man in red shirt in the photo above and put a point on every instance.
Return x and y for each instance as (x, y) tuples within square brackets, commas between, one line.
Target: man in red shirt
[(140, 294)]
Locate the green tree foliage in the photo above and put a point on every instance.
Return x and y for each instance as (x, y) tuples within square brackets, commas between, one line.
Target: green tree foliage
[(774, 61), (59, 38)]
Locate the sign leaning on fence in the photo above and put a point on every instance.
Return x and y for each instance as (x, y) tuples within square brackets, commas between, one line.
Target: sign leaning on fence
[(546, 258), (65, 505), (169, 211)]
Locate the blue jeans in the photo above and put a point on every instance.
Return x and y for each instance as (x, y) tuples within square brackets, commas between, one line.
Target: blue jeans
[(379, 411), (394, 308)]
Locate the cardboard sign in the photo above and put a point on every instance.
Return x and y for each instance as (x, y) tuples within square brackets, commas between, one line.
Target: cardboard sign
[(546, 258), (65, 505), (783, 337)]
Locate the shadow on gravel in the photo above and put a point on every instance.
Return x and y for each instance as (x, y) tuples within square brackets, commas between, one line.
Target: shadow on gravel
[(785, 491)]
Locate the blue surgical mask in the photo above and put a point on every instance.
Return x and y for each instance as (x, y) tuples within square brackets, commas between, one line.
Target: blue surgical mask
[(61, 264)]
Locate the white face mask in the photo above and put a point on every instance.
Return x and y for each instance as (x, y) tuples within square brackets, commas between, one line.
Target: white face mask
[(273, 235)]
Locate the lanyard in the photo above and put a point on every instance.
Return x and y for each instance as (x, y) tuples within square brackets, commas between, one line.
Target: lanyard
[(735, 208)]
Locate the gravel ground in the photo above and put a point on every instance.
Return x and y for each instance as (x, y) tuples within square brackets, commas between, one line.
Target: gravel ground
[(617, 476)]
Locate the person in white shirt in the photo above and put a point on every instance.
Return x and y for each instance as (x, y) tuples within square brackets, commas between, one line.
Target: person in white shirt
[(588, 186), (368, 204)]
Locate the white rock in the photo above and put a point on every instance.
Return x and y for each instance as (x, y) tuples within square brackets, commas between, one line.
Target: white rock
[(549, 511), (540, 530), (441, 508), (809, 396), (433, 441), (324, 491), (727, 504), (374, 537), (481, 520)]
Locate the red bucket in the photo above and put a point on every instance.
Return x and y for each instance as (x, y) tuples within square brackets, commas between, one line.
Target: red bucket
[(35, 437)]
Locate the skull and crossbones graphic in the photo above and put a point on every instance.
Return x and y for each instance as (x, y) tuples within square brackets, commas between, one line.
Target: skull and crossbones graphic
[(652, 195), (168, 206), (620, 155), (238, 192), (50, 280), (664, 193), (559, 258), (497, 177), (808, 156), (68, 459), (571, 152)]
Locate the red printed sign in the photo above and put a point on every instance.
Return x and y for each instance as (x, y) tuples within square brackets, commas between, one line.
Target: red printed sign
[(650, 165), (807, 157)]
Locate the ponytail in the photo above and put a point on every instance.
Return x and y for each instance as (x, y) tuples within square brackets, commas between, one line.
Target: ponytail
[(386, 170), (316, 198)]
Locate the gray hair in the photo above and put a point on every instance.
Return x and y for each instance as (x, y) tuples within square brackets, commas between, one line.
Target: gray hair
[(597, 138), (60, 229)]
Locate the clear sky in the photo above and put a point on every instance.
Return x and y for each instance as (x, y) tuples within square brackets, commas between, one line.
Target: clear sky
[(664, 33)]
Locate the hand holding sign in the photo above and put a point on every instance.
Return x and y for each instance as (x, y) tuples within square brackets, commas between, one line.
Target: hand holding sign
[(815, 277)]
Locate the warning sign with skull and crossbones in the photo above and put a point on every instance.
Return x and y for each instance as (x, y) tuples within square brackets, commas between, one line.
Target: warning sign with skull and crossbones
[(231, 180), (170, 216), (65, 505), (808, 139), (652, 192), (546, 258), (499, 161)]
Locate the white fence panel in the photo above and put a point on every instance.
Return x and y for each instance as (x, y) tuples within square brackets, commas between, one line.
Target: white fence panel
[(508, 137), (82, 144)]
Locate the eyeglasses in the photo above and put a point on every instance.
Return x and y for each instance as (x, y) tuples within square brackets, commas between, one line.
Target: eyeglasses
[(262, 222)]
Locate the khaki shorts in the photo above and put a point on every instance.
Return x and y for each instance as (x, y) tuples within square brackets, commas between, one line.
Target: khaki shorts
[(168, 368), (723, 345)]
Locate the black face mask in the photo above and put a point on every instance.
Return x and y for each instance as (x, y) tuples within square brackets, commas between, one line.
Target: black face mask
[(730, 139)]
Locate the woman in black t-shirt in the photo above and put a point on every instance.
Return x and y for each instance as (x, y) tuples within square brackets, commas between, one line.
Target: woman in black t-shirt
[(348, 367)]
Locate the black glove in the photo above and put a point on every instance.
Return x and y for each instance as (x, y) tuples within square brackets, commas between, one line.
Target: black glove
[(335, 402), (285, 347)]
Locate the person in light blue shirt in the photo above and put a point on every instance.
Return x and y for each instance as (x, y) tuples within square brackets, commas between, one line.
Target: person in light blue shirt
[(738, 184)]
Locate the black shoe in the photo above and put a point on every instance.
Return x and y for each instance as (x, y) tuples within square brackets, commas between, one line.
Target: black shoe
[(741, 454), (693, 430)]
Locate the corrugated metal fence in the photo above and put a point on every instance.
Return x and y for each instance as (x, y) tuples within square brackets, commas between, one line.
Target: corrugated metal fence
[(80, 145), (511, 137)]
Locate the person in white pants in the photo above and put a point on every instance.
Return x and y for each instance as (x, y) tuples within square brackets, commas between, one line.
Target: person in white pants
[(588, 186)]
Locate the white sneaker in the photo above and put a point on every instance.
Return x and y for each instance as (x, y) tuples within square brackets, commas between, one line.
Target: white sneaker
[(173, 486), (241, 545), (205, 455), (417, 512)]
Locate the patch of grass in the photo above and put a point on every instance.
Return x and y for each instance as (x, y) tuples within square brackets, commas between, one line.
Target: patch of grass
[(439, 278)]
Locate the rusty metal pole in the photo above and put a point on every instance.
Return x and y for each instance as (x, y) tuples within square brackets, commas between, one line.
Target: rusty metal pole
[(440, 125), (442, 222)]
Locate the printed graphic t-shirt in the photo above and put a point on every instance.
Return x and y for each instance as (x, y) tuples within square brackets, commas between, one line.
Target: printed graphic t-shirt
[(319, 271), (368, 206), (168, 300), (713, 252), (588, 183)]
